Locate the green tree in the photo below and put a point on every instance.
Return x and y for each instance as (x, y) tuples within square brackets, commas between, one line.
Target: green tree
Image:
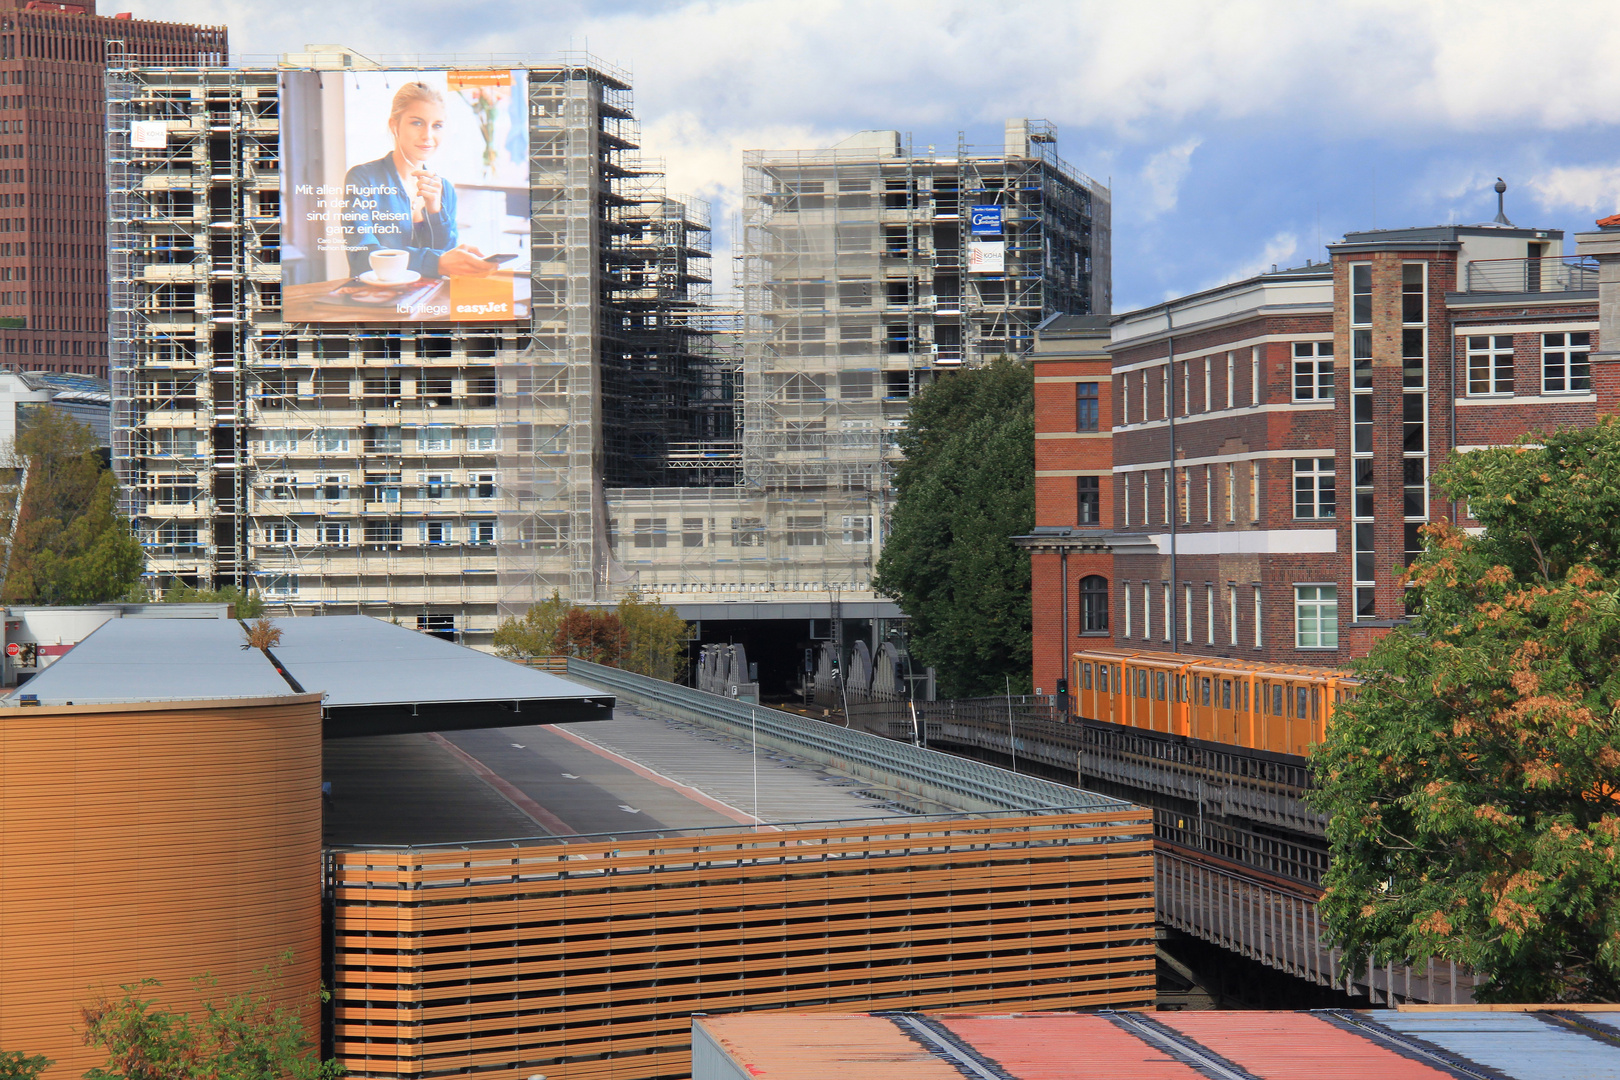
[(534, 633), (640, 635), (655, 638), (1471, 789), (247, 1036), (249, 605), (966, 486), (71, 544), (15, 1065)]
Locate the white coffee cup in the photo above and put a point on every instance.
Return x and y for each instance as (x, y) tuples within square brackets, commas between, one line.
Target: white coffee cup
[(390, 264)]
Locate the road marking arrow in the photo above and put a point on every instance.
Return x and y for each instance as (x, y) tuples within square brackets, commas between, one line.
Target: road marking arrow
[(628, 809), (570, 776), (519, 746)]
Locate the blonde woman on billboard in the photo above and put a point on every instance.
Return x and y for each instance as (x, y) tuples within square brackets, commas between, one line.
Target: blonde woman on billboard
[(401, 204)]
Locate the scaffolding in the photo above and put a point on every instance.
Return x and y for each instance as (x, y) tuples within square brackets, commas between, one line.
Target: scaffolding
[(448, 472)]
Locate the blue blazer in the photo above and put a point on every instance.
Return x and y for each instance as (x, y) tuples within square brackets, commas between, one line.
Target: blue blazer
[(425, 240)]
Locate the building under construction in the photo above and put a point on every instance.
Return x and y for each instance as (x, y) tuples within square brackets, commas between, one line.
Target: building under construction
[(433, 473), (621, 434), (865, 270)]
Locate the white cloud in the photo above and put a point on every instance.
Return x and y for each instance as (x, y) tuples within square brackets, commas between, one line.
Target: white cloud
[(1163, 174), (1279, 251), (1588, 188)]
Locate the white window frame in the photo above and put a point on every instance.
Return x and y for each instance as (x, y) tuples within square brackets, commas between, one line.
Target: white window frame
[(445, 529), (481, 532), (281, 441), (481, 479), (1125, 589), (1254, 375), (427, 481), (433, 438), (278, 584), (483, 443), (1490, 355), (280, 533), (1316, 616), (328, 480), (282, 488), (331, 440), (1312, 371), (1231, 379), (1565, 350), (1259, 604), (332, 533), (857, 528), (1315, 472)]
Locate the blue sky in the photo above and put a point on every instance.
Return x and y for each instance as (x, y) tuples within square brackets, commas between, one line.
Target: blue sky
[(1234, 134)]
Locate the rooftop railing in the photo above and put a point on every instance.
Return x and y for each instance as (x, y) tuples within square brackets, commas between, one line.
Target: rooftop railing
[(1559, 274)]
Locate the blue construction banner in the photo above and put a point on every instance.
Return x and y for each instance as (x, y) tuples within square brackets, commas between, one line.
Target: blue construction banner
[(986, 220)]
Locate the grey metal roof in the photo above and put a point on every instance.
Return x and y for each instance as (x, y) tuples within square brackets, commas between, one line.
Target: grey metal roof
[(1520, 1045), (377, 678), (128, 660), (358, 660)]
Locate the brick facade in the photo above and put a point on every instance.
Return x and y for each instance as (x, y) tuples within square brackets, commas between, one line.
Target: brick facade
[(1389, 322), (53, 175), (1072, 444)]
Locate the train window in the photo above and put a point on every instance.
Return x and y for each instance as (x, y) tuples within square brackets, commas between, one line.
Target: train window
[(1085, 676), (1226, 693), (1204, 689), (1314, 700), (1278, 691), (1102, 678), (1181, 688), (1244, 689), (1142, 683), (1303, 705)]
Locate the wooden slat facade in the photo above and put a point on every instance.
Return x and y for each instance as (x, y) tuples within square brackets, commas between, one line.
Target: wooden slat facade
[(586, 959), (159, 840)]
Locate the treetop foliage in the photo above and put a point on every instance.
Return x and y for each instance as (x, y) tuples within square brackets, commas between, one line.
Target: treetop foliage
[(966, 486), (71, 545), (247, 1036), (640, 635), (16, 1065), (1473, 788)]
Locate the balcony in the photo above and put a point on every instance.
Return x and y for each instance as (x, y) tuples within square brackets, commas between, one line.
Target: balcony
[(1554, 275)]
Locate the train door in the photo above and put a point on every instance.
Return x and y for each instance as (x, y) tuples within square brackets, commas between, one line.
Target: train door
[(1275, 728), (1161, 700), (1225, 710), (1251, 709)]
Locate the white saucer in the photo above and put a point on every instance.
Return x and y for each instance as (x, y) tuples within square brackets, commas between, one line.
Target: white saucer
[(370, 278)]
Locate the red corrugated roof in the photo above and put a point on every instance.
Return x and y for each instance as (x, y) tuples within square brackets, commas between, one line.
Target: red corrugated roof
[(1295, 1046), (1063, 1046)]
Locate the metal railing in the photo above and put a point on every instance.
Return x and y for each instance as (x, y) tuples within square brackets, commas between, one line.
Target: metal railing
[(930, 773), (1575, 274)]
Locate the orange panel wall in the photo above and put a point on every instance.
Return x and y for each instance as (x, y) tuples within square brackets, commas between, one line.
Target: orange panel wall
[(155, 840), (585, 959)]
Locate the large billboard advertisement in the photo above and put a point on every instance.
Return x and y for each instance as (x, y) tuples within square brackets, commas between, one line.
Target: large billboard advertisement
[(405, 196)]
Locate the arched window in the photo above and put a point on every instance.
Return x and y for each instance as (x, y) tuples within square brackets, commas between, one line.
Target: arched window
[(1094, 605)]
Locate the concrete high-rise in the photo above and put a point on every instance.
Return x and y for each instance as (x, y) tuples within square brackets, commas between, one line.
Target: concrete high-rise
[(436, 471), (867, 270), (53, 281)]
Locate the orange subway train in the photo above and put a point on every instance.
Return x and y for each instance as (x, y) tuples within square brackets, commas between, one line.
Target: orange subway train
[(1281, 708)]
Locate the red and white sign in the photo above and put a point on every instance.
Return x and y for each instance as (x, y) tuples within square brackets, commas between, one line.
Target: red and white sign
[(12, 648)]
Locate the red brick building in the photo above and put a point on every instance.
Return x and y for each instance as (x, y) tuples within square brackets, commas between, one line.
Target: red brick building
[(1070, 561), (53, 176), (1274, 439)]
